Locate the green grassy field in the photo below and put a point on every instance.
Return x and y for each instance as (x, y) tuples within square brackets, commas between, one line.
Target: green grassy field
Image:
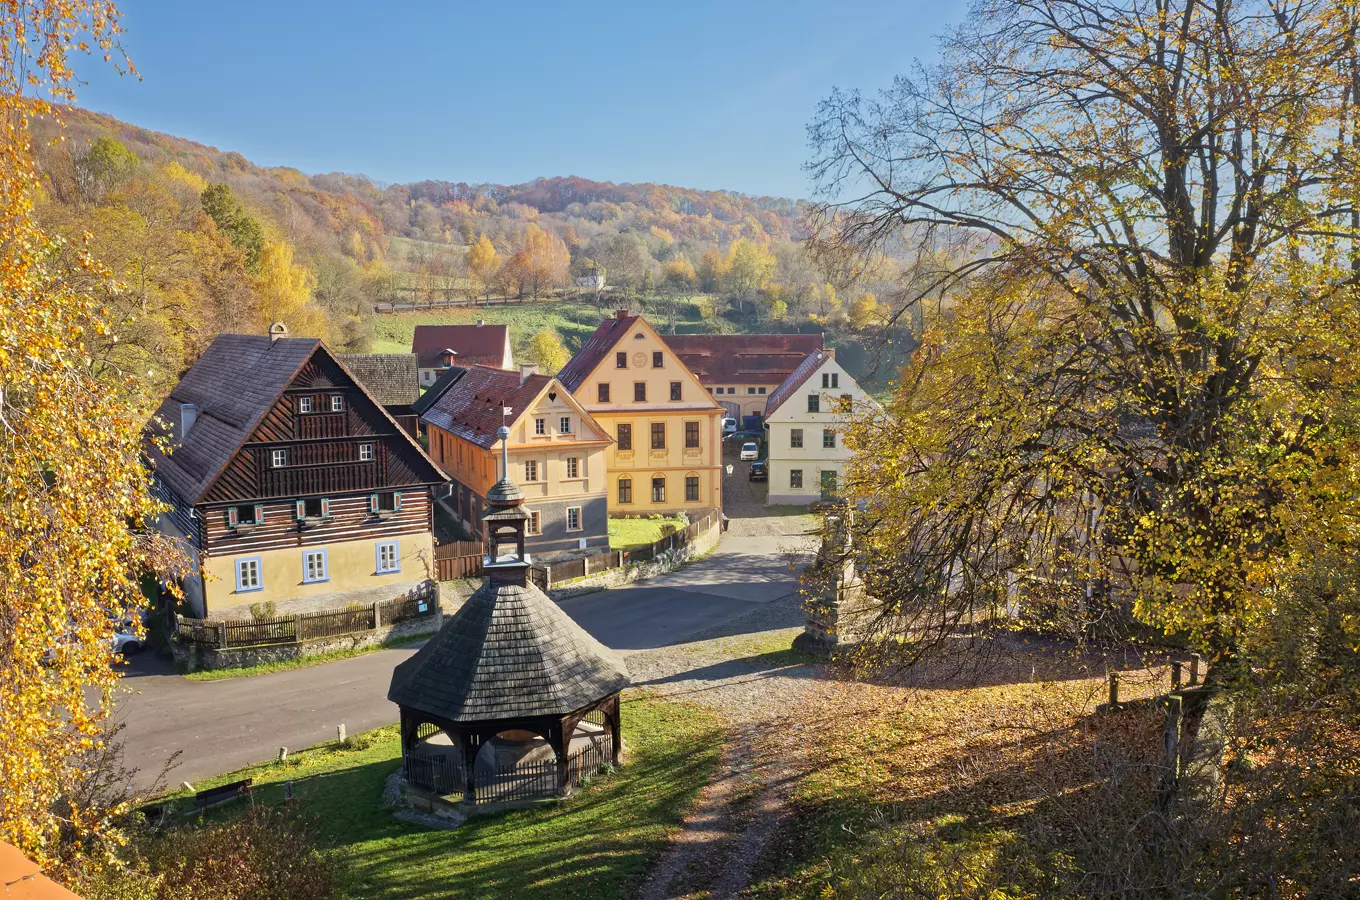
[(629, 534), (597, 843)]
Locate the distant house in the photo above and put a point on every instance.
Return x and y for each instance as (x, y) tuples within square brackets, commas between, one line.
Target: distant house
[(667, 429), (742, 370), (557, 454), (393, 380), (438, 347), (803, 421), (591, 282), (288, 482)]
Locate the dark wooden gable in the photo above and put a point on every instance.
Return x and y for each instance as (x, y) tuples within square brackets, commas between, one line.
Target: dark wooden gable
[(323, 446)]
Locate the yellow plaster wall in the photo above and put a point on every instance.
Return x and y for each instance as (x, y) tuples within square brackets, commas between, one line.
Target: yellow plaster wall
[(352, 566)]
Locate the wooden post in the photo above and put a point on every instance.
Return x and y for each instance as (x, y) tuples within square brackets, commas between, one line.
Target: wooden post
[(283, 754), (1175, 675), (340, 734), (1114, 690), (222, 635), (1171, 745), (1194, 669), (297, 627), (377, 614)]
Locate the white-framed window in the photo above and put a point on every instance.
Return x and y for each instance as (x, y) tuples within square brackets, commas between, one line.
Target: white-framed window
[(278, 459), (573, 518), (531, 470), (795, 478), (573, 467), (540, 426), (388, 556), (314, 566), (249, 576), (564, 425), (337, 403), (304, 404), (365, 453), (796, 438), (535, 523), (831, 379)]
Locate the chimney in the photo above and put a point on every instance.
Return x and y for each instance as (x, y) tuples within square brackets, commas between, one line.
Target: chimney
[(829, 352), (621, 314), (525, 370), (188, 415), (276, 331), (446, 357)]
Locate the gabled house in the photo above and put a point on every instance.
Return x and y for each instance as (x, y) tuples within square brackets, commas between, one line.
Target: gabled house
[(741, 371), (667, 429), (557, 455), (438, 347), (393, 380), (803, 421), (288, 482)]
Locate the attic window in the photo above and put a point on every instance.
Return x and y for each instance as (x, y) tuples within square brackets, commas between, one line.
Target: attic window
[(337, 403), (389, 502), (278, 459), (315, 508), (305, 404), (365, 453)]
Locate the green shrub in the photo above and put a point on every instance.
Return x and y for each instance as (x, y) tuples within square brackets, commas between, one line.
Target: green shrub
[(265, 610)]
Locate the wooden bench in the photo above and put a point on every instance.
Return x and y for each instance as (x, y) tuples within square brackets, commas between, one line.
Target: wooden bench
[(221, 794)]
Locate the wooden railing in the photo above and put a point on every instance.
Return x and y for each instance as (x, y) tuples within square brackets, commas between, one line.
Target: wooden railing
[(458, 559)]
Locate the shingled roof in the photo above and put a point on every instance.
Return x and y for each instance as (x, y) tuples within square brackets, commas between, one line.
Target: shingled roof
[(595, 349), (471, 408), (447, 379), (474, 345), (811, 363), (234, 384), (391, 378), (509, 652), (742, 358)]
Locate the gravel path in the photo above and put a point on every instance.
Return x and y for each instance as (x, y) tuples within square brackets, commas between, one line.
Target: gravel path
[(745, 670)]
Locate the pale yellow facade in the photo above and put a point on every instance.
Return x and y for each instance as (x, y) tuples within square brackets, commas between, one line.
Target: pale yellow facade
[(350, 566), (667, 428), (741, 400)]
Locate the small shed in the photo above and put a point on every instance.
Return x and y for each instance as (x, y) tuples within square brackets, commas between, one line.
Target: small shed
[(512, 700)]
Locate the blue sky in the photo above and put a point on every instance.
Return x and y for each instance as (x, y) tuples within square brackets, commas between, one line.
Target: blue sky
[(698, 94)]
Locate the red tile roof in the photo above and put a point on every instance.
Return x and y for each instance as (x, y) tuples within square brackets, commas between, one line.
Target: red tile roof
[(595, 349), (742, 358), (475, 345), (796, 378), (471, 407)]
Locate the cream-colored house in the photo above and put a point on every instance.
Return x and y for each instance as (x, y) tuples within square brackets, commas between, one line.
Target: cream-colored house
[(667, 428), (803, 418), (557, 455)]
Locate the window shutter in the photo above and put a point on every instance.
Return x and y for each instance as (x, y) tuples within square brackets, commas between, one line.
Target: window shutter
[(396, 500), (259, 513), (232, 518), (325, 507), (372, 503), (302, 509)]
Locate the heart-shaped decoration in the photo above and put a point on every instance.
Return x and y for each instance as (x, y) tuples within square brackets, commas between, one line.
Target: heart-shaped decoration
[(552, 395)]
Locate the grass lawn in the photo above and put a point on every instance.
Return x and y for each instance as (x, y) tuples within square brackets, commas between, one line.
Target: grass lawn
[(629, 534), (597, 844)]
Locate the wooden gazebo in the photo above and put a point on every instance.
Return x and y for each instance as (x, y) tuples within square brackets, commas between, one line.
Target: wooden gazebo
[(511, 671)]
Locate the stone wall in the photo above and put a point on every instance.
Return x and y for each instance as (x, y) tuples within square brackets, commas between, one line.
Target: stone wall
[(195, 657)]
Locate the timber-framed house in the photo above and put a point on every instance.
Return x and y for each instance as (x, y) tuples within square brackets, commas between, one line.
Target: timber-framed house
[(288, 482)]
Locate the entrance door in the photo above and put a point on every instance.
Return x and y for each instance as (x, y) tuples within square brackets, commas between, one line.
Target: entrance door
[(828, 485)]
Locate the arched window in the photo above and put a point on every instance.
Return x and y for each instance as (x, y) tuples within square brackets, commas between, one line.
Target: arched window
[(625, 489), (692, 487)]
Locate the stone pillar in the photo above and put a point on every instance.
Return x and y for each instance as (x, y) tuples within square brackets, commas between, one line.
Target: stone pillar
[(836, 607)]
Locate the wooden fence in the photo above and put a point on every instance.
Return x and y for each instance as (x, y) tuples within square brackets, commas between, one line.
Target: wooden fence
[(555, 573), (523, 781), (298, 627), (457, 559)]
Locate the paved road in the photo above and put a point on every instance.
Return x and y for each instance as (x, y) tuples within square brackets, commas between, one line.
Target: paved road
[(221, 725)]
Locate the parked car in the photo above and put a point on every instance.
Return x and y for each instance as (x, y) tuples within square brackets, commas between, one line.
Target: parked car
[(750, 450), (758, 471), (124, 641), (729, 426)]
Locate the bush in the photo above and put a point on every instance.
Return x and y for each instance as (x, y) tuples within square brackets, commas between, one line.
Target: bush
[(265, 610), (264, 854)]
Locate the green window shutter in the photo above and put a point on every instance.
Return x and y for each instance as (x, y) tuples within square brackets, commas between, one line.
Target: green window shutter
[(259, 513), (232, 517), (302, 509), (325, 507), (372, 503), (396, 500)]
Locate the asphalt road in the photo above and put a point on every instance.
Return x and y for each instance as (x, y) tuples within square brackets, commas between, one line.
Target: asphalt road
[(221, 725)]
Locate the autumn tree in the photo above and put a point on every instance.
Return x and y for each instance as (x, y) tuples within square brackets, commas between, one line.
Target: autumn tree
[(747, 269), (546, 260), (73, 543), (101, 168), (482, 263), (548, 351), (284, 291), (233, 221), (1135, 390)]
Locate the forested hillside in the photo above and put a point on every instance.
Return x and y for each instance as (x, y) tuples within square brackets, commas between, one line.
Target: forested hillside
[(202, 241)]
